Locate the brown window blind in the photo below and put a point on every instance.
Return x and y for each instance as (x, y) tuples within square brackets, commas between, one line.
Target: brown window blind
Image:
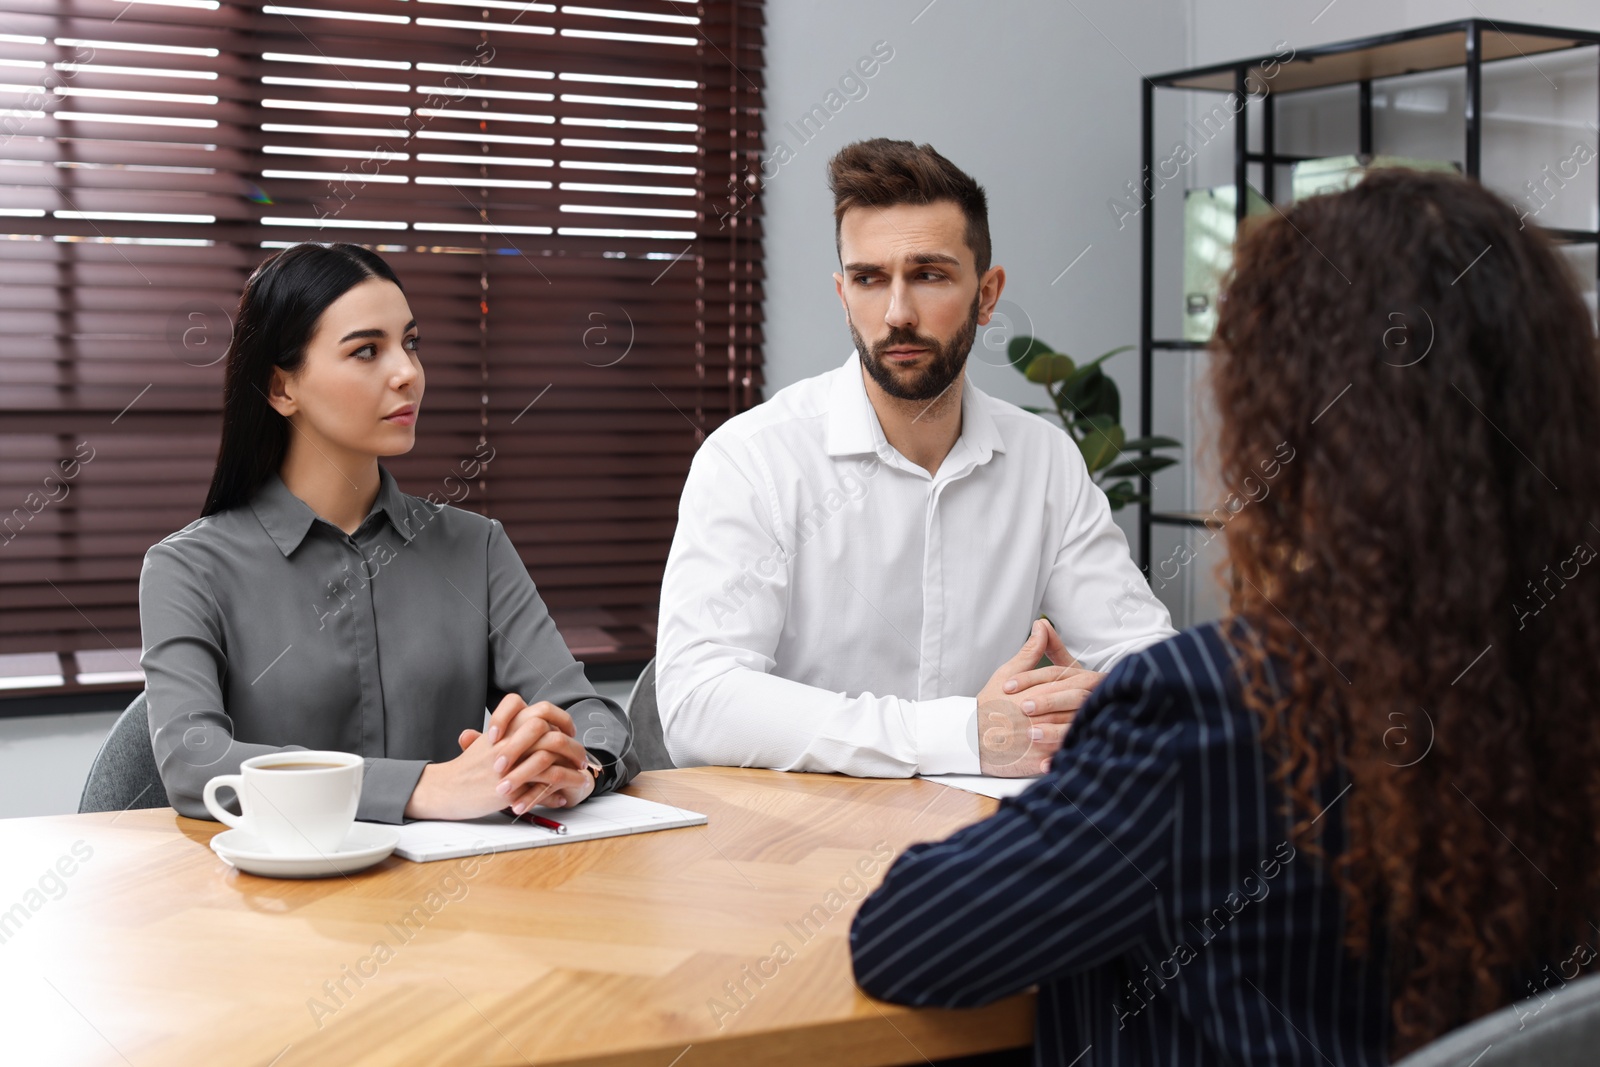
[(565, 191)]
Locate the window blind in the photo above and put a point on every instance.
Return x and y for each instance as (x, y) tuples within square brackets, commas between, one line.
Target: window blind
[(566, 192)]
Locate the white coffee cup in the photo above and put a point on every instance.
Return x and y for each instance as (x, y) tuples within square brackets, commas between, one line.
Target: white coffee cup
[(298, 802)]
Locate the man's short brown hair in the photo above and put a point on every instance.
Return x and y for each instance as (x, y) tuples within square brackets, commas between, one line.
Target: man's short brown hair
[(881, 172)]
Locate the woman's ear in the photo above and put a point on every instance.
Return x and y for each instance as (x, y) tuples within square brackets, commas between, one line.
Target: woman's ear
[(278, 395)]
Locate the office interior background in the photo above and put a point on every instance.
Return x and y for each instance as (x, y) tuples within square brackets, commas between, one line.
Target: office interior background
[(1040, 101)]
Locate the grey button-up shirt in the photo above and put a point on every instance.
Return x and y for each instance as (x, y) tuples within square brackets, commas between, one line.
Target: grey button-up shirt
[(266, 627)]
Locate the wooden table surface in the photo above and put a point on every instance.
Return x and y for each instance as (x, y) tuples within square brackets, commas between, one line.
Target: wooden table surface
[(125, 940)]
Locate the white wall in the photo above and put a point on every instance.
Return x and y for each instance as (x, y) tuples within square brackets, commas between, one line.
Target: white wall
[(1030, 98), (1224, 30), (44, 759), (1035, 100), (1038, 101), (1535, 110)]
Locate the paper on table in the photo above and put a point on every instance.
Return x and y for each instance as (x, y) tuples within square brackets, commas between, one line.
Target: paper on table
[(988, 785), (612, 815)]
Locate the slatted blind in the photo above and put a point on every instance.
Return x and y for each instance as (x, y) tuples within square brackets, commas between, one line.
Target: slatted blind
[(565, 192)]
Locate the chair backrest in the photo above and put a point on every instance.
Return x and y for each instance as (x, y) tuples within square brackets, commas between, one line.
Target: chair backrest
[(1560, 1028), (124, 774), (648, 743)]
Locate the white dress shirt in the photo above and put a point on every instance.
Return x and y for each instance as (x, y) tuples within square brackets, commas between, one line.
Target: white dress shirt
[(828, 605)]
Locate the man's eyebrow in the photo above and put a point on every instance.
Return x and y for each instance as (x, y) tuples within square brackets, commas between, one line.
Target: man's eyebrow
[(918, 258), (353, 334)]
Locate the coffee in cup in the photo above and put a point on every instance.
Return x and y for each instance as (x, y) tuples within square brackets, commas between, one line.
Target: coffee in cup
[(296, 802)]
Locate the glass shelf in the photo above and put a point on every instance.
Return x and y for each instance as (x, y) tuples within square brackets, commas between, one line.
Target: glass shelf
[(1428, 48)]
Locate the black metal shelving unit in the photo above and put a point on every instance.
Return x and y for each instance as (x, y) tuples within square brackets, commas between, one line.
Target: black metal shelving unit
[(1468, 44)]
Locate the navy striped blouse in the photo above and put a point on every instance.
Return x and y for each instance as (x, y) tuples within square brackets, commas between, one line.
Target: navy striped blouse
[(1147, 883)]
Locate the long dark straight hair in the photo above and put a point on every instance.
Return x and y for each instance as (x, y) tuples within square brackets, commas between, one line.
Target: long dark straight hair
[(278, 311)]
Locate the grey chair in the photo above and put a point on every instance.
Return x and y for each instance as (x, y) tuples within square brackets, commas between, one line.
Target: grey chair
[(1559, 1029), (124, 774), (649, 746)]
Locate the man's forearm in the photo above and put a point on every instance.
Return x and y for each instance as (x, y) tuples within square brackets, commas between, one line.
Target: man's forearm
[(750, 718)]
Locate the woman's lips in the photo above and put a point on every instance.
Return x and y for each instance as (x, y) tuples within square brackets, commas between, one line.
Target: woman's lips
[(404, 418)]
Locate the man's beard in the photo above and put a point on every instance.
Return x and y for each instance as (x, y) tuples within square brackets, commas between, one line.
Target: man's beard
[(943, 363)]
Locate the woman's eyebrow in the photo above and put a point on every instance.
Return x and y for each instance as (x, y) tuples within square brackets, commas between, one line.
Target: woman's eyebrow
[(375, 332)]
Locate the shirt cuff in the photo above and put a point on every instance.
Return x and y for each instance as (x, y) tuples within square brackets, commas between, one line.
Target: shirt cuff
[(386, 788), (610, 771), (947, 736)]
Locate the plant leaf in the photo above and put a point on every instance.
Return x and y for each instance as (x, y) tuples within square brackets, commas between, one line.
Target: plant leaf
[(1088, 373), (1048, 367), (1091, 391), (1095, 422), (1098, 396), (1145, 444), (1143, 465), (1102, 357), (1101, 447), (1022, 349), (1075, 381), (1118, 503), (1120, 494)]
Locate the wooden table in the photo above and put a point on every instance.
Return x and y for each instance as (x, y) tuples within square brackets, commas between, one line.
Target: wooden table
[(125, 940)]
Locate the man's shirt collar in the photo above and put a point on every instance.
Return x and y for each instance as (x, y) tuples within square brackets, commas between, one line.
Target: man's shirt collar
[(853, 426)]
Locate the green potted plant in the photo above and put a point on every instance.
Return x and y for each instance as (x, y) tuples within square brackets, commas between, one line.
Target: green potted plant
[(1089, 406)]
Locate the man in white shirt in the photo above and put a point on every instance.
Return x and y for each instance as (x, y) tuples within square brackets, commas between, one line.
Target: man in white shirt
[(857, 558)]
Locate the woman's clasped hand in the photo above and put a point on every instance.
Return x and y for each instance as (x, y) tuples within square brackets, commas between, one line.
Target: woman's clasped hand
[(529, 754)]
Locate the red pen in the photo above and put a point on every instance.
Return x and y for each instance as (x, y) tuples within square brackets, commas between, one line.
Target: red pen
[(539, 820)]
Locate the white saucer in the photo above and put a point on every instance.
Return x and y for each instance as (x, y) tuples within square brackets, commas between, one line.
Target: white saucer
[(366, 844)]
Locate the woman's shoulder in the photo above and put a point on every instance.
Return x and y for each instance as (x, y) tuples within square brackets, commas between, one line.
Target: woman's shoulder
[(1190, 679), (205, 538), (437, 519)]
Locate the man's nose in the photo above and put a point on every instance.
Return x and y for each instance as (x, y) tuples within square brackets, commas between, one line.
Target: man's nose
[(901, 311)]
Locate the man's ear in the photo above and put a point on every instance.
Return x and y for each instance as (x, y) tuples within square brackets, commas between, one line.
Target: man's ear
[(989, 289), (838, 287), (277, 394)]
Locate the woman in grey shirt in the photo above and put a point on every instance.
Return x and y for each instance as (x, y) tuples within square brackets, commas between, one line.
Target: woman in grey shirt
[(315, 605)]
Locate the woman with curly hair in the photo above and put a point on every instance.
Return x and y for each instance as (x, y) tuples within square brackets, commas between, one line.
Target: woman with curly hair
[(1362, 809)]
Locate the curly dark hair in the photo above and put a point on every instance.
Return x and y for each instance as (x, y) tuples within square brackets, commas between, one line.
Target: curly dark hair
[(1420, 577)]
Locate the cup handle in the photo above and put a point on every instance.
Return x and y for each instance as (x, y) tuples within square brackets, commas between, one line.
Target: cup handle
[(214, 806)]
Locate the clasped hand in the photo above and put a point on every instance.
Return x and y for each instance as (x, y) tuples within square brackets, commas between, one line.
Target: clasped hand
[(1024, 710), (528, 754)]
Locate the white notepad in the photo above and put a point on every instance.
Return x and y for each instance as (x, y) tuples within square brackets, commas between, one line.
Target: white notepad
[(611, 815), (987, 784)]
